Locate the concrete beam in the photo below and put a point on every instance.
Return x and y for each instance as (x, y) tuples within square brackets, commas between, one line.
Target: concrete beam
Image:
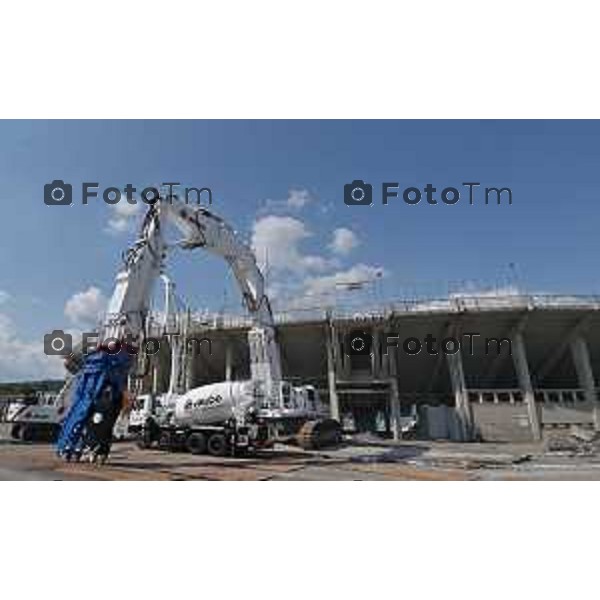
[(457, 379), (461, 398), (524, 377), (498, 362), (557, 353), (585, 375), (430, 383)]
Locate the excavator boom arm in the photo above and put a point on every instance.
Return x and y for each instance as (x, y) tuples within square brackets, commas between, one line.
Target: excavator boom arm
[(102, 377)]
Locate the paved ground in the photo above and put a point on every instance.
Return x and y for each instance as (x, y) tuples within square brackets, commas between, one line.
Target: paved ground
[(404, 461)]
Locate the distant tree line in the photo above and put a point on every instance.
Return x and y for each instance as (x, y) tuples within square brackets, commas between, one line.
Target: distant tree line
[(28, 388)]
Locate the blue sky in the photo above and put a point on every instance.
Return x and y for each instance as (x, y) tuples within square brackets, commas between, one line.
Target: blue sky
[(281, 184)]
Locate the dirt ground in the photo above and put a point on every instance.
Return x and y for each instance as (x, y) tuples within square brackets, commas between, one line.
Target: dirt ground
[(402, 461)]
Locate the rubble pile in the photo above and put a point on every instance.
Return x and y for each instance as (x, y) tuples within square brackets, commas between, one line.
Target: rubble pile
[(573, 442)]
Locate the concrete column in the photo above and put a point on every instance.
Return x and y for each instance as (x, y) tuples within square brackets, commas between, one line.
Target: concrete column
[(342, 360), (585, 375), (228, 360), (332, 351), (391, 368), (190, 371), (385, 364), (155, 376), (376, 355), (461, 398), (522, 370)]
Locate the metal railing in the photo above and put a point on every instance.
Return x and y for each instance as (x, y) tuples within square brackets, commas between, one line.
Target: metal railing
[(565, 396), (453, 304)]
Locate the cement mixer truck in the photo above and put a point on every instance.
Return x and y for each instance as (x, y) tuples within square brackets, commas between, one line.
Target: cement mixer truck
[(232, 417)]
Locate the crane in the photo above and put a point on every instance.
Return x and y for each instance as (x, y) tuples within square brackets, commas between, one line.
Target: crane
[(219, 416)]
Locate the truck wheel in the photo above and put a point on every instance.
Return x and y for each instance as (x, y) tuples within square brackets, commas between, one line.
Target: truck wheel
[(179, 442), (144, 439), (217, 444), (164, 441), (27, 433), (16, 432), (196, 443)]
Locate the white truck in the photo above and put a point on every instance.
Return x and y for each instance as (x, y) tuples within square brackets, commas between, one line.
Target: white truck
[(37, 417)]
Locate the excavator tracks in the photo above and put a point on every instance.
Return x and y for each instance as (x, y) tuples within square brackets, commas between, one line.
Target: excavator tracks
[(319, 434)]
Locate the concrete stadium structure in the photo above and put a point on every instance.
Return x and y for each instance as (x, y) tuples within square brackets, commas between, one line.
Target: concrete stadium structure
[(544, 378)]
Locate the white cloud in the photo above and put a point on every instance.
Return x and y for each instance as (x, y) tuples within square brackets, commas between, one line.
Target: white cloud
[(123, 217), (276, 241), (7, 329), (22, 360), (299, 198), (296, 200), (4, 297), (359, 274), (344, 241), (298, 279), (86, 308)]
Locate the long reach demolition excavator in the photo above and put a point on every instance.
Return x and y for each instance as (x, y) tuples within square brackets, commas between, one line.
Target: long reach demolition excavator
[(220, 418)]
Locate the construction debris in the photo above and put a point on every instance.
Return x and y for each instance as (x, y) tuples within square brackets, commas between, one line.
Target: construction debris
[(574, 442)]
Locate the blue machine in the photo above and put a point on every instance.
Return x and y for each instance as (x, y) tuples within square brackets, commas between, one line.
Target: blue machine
[(96, 404)]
